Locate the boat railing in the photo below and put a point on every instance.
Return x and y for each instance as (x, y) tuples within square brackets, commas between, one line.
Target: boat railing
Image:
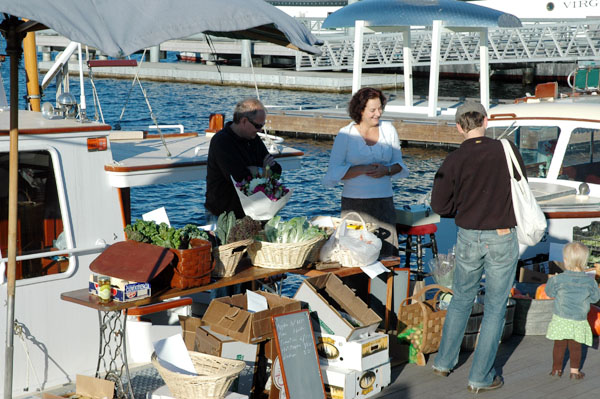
[(162, 127)]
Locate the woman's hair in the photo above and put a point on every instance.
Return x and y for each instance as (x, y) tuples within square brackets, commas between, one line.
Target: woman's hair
[(575, 256), (247, 108), (358, 102)]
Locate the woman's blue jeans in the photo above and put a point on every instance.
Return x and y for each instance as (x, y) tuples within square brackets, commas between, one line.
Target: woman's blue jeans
[(479, 252)]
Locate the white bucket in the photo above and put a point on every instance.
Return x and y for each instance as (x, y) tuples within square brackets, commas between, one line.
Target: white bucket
[(139, 342)]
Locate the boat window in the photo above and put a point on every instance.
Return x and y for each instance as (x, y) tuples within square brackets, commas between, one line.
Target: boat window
[(39, 217), (535, 143), (582, 156)]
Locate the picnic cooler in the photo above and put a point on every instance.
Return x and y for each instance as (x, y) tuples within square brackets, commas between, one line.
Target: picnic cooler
[(426, 314), (215, 376), (194, 265), (273, 255), (228, 256)]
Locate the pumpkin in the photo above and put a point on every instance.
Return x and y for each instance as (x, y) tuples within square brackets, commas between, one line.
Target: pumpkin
[(594, 319), (540, 292)]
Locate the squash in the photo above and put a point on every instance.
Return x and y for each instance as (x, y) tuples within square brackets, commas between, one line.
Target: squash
[(594, 319), (540, 292)]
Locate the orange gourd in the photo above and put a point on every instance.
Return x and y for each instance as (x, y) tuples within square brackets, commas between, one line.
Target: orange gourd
[(540, 292), (594, 319)]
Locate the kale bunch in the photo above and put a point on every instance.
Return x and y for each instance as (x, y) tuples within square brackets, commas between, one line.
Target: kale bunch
[(163, 235)]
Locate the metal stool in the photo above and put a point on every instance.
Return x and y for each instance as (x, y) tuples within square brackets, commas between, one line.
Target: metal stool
[(417, 232)]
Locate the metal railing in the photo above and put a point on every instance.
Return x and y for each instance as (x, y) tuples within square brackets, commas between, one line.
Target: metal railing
[(534, 42)]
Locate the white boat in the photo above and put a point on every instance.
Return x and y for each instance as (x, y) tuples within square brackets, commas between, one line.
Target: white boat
[(73, 189), (559, 140)]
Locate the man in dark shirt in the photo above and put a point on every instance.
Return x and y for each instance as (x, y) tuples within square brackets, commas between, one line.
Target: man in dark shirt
[(473, 186), (233, 151)]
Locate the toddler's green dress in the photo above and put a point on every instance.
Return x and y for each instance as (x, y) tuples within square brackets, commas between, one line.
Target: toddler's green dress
[(577, 330)]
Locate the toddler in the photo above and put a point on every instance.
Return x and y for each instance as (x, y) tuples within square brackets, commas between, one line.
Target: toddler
[(573, 291)]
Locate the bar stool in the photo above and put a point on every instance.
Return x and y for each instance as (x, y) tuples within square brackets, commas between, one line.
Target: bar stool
[(417, 232)]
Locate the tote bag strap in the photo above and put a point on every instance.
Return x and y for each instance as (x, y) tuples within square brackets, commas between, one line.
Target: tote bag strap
[(511, 159)]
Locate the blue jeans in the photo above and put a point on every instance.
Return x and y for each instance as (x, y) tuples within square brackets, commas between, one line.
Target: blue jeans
[(479, 251)]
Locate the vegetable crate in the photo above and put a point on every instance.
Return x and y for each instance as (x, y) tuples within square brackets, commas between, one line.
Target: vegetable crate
[(590, 236), (425, 316)]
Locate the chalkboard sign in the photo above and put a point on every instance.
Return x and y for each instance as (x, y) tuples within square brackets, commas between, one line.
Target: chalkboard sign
[(298, 355)]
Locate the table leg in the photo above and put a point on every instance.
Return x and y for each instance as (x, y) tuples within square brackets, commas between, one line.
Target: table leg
[(112, 355), (389, 300)]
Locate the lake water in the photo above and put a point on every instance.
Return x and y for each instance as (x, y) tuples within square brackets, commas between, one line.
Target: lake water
[(191, 105)]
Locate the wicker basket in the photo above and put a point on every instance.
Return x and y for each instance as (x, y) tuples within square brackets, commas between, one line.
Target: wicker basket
[(281, 256), (216, 374), (344, 256), (228, 256), (425, 313), (194, 265)]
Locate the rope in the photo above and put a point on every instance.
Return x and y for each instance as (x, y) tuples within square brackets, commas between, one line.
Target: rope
[(213, 51), (18, 330)]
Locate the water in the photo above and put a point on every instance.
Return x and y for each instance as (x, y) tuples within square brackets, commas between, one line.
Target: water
[(191, 105)]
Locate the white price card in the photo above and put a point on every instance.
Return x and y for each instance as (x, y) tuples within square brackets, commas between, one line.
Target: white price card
[(375, 269)]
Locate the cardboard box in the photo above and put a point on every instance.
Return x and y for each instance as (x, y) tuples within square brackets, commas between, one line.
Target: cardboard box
[(348, 384), (164, 393), (95, 388), (212, 343), (337, 309), (539, 272), (229, 316), (361, 354), (122, 290), (416, 215)]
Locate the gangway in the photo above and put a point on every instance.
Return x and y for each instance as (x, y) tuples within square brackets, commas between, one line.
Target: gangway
[(533, 43)]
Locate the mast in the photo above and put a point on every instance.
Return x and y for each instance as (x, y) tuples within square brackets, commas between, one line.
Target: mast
[(31, 69)]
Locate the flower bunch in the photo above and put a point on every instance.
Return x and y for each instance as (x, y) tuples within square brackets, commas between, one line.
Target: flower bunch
[(270, 185)]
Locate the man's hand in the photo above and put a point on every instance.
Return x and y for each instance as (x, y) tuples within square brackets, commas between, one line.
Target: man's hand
[(268, 161)]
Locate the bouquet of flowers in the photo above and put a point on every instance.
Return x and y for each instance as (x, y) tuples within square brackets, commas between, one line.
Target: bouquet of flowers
[(262, 195)]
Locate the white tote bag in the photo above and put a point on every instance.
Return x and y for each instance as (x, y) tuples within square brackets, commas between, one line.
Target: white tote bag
[(531, 222)]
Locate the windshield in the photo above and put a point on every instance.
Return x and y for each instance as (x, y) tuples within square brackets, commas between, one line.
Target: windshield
[(535, 143), (582, 157)]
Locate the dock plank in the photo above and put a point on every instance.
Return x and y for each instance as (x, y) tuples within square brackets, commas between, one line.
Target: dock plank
[(524, 361)]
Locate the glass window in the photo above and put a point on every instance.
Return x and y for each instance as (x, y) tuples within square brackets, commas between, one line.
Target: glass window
[(535, 143), (39, 217), (582, 157)]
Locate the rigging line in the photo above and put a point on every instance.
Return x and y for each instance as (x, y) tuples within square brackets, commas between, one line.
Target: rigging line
[(213, 51), (19, 332), (253, 74), (137, 71)]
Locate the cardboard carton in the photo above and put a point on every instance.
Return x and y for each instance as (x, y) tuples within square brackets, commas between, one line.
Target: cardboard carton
[(212, 343), (164, 393), (416, 215), (189, 325), (361, 354), (229, 316), (337, 309), (94, 388), (122, 290), (349, 384), (539, 272)]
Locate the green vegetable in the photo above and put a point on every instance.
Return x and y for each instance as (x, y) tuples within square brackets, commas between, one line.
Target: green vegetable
[(243, 229), (163, 235), (297, 229), (224, 225)]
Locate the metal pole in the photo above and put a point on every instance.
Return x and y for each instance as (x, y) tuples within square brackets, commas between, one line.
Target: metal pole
[(484, 69), (359, 27), (407, 57), (434, 68), (13, 49)]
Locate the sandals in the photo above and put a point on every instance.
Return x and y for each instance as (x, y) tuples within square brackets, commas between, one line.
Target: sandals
[(577, 376), (556, 373)]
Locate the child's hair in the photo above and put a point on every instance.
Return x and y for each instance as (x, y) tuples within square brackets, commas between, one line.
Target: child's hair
[(575, 256)]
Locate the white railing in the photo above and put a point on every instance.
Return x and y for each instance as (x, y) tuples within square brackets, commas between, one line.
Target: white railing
[(534, 42)]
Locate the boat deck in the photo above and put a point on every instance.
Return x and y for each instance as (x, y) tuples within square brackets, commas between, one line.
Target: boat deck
[(524, 361)]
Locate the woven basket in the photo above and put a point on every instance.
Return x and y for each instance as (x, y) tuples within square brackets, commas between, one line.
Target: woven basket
[(425, 313), (228, 256), (281, 256), (194, 265), (344, 256), (216, 374)]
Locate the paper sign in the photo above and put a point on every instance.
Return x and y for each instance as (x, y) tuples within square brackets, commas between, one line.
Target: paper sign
[(256, 302), (375, 269), (158, 215), (173, 355)]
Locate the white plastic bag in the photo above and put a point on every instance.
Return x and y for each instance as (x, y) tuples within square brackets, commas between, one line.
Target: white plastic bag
[(351, 248), (531, 222)]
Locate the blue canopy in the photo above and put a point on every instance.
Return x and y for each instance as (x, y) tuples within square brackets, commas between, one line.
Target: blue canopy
[(453, 13)]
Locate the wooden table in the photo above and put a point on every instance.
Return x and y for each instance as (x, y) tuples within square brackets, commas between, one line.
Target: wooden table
[(112, 316)]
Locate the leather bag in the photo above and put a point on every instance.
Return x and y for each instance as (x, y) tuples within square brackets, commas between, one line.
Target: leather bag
[(531, 222)]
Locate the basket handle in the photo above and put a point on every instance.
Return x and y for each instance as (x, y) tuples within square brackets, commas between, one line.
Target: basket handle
[(415, 297), (364, 226)]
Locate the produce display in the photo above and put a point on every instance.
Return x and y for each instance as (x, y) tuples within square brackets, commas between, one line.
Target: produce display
[(297, 229), (164, 235), (230, 230)]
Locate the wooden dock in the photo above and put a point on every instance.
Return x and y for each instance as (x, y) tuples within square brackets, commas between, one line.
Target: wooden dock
[(325, 124), (523, 361)]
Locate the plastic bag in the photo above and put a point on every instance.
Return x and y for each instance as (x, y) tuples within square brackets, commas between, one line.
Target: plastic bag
[(351, 247)]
